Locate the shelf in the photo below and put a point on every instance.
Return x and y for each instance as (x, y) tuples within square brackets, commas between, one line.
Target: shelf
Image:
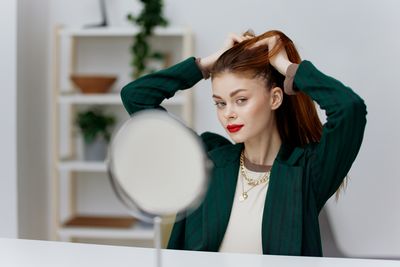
[(82, 166), (90, 99), (107, 99), (70, 57), (121, 222), (121, 32), (138, 231)]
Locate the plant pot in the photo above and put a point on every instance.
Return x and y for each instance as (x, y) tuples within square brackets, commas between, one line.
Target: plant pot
[(96, 150)]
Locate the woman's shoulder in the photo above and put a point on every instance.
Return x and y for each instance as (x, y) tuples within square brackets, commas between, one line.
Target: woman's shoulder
[(213, 141), (219, 149), (297, 156)]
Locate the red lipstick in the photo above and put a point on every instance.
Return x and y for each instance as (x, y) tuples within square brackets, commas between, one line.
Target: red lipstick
[(232, 128)]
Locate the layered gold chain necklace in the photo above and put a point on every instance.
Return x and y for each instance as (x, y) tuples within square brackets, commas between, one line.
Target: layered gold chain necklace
[(252, 182)]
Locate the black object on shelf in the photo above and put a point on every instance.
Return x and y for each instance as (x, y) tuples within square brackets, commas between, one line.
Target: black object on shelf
[(104, 21)]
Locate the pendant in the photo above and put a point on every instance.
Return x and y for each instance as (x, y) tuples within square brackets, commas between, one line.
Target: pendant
[(243, 197)]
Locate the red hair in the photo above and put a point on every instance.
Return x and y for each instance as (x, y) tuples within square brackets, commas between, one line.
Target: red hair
[(297, 119)]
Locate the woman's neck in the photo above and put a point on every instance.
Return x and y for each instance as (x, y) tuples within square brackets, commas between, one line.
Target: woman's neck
[(262, 150)]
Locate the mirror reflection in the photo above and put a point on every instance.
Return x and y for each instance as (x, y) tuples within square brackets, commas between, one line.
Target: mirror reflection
[(157, 166)]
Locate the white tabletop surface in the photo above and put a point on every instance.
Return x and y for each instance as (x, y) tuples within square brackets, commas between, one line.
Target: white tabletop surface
[(21, 253)]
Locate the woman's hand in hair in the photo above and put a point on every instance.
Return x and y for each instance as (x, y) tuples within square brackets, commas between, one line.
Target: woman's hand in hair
[(279, 59), (207, 63)]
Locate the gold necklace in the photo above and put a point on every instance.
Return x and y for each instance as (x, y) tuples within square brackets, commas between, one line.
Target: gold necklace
[(243, 196), (250, 181)]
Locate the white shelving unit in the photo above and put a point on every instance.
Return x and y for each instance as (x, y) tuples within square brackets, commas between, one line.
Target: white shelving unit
[(125, 32), (82, 166), (138, 231), (75, 52), (109, 99)]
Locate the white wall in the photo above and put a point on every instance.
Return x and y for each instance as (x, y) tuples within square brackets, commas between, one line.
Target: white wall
[(8, 108), (33, 109), (354, 41)]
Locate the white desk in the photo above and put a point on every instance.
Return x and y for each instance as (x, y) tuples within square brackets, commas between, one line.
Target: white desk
[(23, 253)]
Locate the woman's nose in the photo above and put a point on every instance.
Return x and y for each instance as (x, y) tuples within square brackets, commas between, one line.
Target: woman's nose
[(230, 113)]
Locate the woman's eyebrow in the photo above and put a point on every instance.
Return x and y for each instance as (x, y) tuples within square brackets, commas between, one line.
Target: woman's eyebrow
[(231, 94)]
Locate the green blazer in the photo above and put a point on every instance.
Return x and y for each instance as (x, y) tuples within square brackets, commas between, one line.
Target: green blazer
[(302, 178)]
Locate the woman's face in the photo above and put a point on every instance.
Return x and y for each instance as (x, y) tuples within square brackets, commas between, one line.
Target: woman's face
[(244, 105)]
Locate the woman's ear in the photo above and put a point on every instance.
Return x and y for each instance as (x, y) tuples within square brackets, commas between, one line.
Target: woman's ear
[(276, 97)]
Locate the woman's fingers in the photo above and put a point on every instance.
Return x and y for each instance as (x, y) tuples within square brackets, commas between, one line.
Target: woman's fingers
[(235, 38), (270, 42)]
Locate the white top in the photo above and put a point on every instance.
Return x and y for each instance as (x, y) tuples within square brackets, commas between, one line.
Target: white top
[(243, 234)]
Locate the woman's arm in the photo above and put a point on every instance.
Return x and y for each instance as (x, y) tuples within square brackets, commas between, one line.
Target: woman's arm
[(343, 132), (150, 90)]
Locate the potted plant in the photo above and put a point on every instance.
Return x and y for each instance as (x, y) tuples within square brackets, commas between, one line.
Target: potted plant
[(95, 127), (150, 17)]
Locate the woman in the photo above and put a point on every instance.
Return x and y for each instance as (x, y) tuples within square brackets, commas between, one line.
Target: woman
[(267, 189)]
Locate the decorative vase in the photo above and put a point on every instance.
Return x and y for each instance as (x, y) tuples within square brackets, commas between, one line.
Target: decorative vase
[(93, 84), (96, 150)]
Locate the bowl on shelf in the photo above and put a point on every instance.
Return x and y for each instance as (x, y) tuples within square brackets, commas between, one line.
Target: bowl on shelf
[(93, 84)]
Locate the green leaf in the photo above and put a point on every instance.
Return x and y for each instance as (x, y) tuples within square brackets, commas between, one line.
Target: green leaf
[(150, 17), (93, 123)]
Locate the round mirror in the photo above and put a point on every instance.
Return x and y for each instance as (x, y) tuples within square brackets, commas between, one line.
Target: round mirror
[(157, 166)]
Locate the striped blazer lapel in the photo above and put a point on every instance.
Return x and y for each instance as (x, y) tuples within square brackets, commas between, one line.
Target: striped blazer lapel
[(219, 200), (282, 223)]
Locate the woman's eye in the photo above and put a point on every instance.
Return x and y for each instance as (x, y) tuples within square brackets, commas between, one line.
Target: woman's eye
[(219, 104), (241, 100)]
